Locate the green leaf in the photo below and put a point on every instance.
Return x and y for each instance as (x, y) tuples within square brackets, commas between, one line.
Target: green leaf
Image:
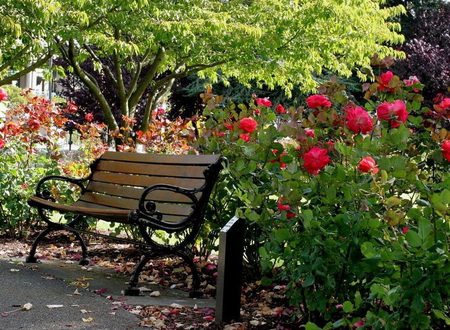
[(424, 228), (347, 306), (413, 238), (309, 280), (307, 216), (331, 193), (282, 235), (441, 315), (393, 201), (368, 250), (445, 196), (311, 326), (266, 281)]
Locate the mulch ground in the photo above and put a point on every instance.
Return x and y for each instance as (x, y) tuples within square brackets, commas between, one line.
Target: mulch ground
[(262, 308)]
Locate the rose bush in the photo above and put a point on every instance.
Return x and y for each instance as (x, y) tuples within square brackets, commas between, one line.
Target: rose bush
[(354, 217)]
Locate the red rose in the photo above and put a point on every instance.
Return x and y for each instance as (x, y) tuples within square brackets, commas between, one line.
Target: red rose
[(89, 117), (3, 94), (2, 143), (283, 207), (405, 230), (358, 120), (384, 81), (248, 125), (229, 126), (282, 165), (395, 113), (368, 164), (245, 137), (265, 102), (445, 148), (315, 160), (280, 109), (315, 101)]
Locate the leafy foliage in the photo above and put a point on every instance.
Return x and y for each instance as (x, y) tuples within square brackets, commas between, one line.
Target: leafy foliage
[(273, 43), (427, 50), (28, 136)]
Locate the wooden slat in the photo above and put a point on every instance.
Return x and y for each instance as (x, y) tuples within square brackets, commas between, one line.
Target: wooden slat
[(152, 169), (145, 181), (136, 192), (131, 204), (161, 158), (110, 212), (117, 202)]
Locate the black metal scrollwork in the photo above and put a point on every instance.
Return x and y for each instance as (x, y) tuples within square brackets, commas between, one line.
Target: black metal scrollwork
[(46, 194)]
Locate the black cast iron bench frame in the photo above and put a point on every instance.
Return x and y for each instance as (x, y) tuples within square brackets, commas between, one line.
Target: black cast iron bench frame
[(154, 192)]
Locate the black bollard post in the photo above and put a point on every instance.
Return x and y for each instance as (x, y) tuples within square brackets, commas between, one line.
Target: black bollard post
[(229, 279)]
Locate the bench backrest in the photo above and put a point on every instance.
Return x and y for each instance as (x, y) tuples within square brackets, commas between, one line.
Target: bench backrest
[(118, 180)]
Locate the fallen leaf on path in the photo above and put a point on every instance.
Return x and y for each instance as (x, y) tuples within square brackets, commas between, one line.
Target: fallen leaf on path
[(89, 319), (54, 306), (27, 307), (155, 294)]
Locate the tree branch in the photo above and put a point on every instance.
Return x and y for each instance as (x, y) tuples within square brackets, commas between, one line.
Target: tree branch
[(92, 85), (32, 67), (147, 79)]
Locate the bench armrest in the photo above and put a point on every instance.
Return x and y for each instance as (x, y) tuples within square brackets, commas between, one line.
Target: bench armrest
[(148, 215), (44, 193)]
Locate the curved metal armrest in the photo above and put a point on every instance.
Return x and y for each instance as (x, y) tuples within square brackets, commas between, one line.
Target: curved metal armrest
[(149, 213), (44, 193)]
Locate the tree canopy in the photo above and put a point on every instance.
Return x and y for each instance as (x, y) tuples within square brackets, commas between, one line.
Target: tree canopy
[(272, 42)]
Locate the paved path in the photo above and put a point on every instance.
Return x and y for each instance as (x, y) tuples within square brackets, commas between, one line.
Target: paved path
[(51, 283)]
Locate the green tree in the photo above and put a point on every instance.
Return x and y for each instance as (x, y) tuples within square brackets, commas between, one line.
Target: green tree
[(27, 28), (272, 42)]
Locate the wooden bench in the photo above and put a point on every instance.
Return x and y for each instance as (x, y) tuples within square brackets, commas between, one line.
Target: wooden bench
[(159, 195)]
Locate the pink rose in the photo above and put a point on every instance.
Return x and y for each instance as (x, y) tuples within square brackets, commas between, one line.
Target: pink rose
[(3, 94), (395, 113), (411, 81), (445, 149), (265, 102), (310, 132), (445, 103)]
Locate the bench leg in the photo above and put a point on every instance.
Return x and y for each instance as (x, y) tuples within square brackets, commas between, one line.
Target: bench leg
[(132, 289), (31, 258), (84, 259), (195, 292)]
